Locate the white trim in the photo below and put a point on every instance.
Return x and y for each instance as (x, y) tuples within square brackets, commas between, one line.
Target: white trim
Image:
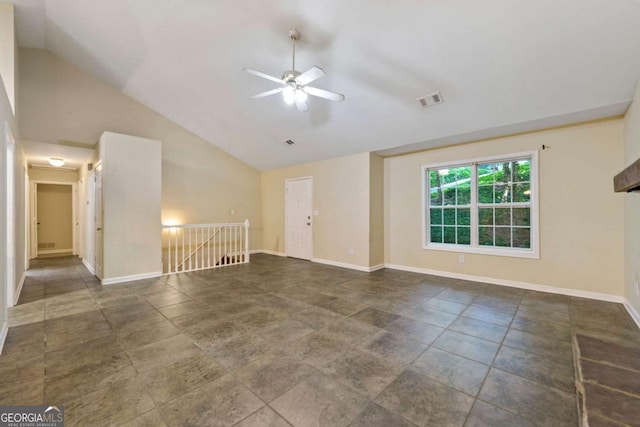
[(347, 265), (131, 278), (632, 312), (268, 252), (3, 334), (19, 290), (55, 251), (88, 266), (512, 283)]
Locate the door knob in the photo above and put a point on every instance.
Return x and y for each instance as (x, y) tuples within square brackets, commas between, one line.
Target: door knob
[(98, 229), (308, 223)]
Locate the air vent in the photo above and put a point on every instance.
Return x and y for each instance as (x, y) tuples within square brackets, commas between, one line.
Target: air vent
[(290, 142), (431, 99)]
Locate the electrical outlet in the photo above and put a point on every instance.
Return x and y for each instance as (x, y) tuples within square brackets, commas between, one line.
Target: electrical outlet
[(351, 252), (461, 259)]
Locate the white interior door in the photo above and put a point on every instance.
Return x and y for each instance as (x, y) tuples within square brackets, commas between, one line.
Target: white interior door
[(298, 210), (98, 222)]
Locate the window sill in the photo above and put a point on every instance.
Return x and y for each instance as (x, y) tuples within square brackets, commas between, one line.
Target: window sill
[(513, 253)]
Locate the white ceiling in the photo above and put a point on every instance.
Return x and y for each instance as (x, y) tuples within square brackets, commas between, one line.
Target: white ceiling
[(502, 66)]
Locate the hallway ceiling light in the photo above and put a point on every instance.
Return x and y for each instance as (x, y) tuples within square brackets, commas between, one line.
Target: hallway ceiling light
[(56, 161)]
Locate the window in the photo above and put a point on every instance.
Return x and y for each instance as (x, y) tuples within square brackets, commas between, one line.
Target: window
[(482, 206)]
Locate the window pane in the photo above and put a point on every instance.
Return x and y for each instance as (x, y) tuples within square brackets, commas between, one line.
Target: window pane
[(521, 173), (485, 216), (435, 188), (485, 194), (449, 216), (486, 174), (464, 193), (464, 235), (485, 236), (503, 172), (449, 234), (435, 216), (449, 195), (436, 234), (521, 193), (464, 216), (462, 173), (436, 197), (503, 216), (522, 216), (522, 238), (503, 236), (503, 193)]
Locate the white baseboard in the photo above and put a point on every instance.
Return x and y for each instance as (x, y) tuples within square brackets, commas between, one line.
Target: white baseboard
[(89, 266), (512, 284), (122, 279), (55, 251), (3, 334), (268, 252), (16, 296), (632, 312), (347, 265)]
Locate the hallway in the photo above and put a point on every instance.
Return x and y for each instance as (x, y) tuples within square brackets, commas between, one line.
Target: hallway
[(282, 339)]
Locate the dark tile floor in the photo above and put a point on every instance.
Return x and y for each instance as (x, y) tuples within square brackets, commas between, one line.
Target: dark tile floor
[(281, 342)]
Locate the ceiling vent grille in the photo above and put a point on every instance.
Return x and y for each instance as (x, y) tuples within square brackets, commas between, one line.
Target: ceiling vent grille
[(431, 100), (289, 142)]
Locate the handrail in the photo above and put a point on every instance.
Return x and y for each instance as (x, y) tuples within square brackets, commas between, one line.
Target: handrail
[(191, 247)]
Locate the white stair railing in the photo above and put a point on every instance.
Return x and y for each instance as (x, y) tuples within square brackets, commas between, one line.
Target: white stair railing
[(192, 247)]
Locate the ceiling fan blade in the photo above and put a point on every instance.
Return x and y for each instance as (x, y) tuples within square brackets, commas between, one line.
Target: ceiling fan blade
[(313, 73), (302, 106), (332, 96), (267, 93), (263, 75)]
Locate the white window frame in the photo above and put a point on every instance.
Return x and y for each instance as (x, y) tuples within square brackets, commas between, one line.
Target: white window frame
[(474, 248)]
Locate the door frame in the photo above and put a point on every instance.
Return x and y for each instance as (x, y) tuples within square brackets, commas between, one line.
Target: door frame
[(75, 221), (286, 215), (9, 148), (98, 246)]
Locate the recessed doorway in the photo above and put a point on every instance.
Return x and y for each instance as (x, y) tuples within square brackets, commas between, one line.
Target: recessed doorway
[(54, 218)]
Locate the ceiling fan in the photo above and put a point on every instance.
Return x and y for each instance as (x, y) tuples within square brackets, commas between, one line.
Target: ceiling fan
[(293, 84)]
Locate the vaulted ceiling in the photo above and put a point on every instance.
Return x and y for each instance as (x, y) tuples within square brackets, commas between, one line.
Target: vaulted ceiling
[(502, 66)]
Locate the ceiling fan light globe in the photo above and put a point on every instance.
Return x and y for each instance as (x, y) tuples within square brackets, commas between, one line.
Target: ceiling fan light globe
[(289, 95), (301, 95)]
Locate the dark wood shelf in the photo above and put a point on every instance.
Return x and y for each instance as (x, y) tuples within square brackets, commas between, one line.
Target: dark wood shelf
[(628, 179)]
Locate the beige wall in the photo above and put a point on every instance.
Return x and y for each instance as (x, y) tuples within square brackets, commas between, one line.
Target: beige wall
[(55, 210), (200, 183), (581, 218), (376, 210), (53, 175), (8, 74), (340, 194), (8, 43), (632, 206), (131, 194)]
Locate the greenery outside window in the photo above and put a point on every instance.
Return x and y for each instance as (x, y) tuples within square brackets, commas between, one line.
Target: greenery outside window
[(484, 205)]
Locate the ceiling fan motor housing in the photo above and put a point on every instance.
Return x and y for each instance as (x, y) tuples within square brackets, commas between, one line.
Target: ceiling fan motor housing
[(290, 76)]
